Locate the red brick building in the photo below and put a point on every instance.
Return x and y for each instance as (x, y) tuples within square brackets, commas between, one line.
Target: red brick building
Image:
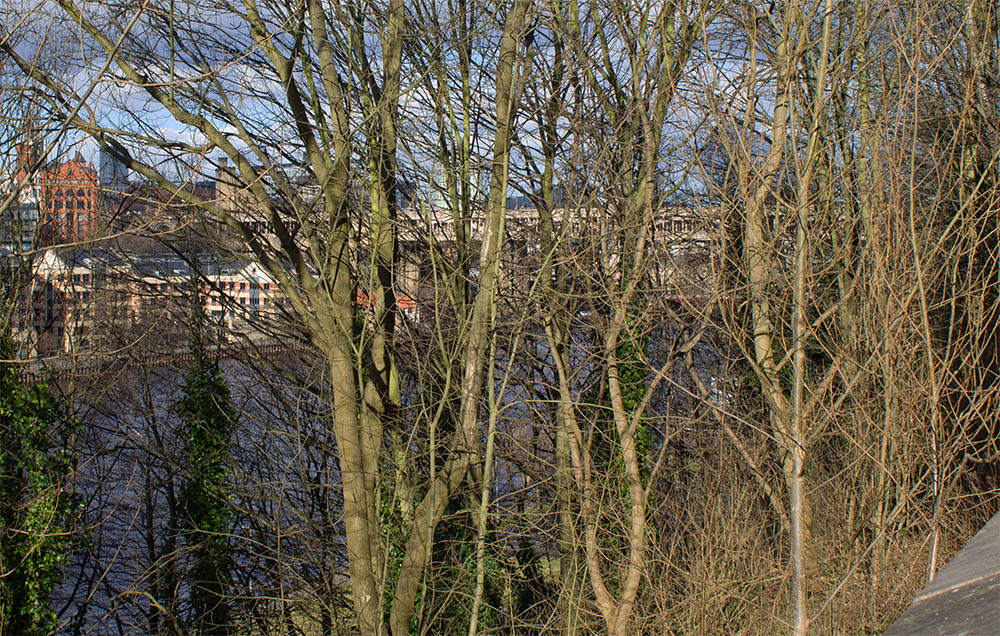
[(68, 195), (70, 201)]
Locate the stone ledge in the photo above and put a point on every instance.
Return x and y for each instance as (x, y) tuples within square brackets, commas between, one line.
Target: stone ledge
[(964, 597)]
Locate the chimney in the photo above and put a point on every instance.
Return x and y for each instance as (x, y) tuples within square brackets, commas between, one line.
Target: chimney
[(28, 150), (25, 154)]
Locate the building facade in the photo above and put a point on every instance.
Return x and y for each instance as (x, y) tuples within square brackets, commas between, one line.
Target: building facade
[(70, 202), (60, 201), (92, 301)]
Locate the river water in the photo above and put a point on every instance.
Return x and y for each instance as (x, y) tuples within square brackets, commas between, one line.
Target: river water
[(287, 535)]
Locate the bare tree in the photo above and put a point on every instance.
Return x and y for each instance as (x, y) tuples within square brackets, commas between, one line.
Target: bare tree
[(660, 317)]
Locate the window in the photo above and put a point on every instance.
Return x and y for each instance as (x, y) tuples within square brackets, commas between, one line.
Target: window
[(81, 218), (79, 192), (243, 286), (79, 204), (59, 204), (59, 192)]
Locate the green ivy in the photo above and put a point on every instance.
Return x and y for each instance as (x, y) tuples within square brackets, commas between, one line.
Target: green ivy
[(208, 416), (37, 508), (633, 377)]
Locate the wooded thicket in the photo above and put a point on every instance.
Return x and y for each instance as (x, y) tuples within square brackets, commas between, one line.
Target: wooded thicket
[(780, 417)]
